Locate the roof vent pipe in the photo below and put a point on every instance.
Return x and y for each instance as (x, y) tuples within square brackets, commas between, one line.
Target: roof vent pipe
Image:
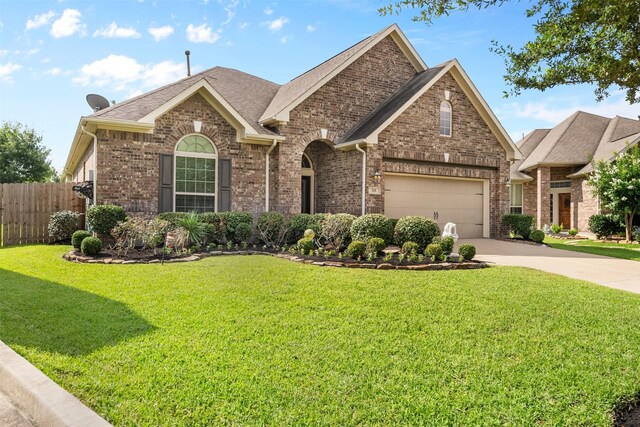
[(186, 52)]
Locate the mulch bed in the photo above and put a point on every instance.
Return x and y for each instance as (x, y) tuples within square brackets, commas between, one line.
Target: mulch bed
[(108, 256), (628, 415)]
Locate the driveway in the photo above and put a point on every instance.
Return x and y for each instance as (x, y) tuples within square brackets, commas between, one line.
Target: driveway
[(612, 272)]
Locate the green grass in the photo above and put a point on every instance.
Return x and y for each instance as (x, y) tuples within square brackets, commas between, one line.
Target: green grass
[(615, 250), (257, 340)]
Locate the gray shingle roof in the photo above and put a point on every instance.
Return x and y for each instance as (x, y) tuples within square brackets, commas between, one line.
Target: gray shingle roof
[(526, 146), (619, 134), (297, 87), (248, 94), (572, 142), (377, 117)]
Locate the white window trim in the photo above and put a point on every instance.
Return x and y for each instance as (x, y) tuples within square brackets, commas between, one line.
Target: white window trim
[(450, 119), (511, 206), (214, 156)]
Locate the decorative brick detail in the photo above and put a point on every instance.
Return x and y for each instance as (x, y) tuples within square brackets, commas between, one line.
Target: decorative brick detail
[(583, 204), (543, 212)]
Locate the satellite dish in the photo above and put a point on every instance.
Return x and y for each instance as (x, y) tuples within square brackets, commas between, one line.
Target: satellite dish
[(97, 102)]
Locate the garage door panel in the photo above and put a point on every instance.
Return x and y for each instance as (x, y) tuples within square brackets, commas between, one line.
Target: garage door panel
[(457, 201)]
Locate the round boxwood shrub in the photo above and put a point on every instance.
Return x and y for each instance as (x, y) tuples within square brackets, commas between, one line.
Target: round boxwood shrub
[(356, 249), (336, 230), (467, 251), (410, 247), (375, 245), (434, 250), (572, 232), (233, 219), (536, 236), (243, 232), (417, 229), (78, 237), (62, 225), (604, 225), (372, 225), (102, 218), (91, 246), (305, 245), (446, 243)]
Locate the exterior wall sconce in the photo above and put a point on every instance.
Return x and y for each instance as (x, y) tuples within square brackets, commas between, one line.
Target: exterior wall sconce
[(377, 176), (197, 126), (507, 181)]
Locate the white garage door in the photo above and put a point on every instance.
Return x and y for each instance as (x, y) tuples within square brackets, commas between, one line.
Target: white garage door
[(444, 200)]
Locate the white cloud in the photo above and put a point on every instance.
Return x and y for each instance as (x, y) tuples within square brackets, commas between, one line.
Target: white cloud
[(55, 71), (243, 25), (68, 24), (202, 34), (4, 52), (39, 20), (45, 60), (32, 52), (268, 10), (311, 28), (230, 9), (277, 24), (160, 33), (6, 70), (285, 39), (120, 73), (113, 31)]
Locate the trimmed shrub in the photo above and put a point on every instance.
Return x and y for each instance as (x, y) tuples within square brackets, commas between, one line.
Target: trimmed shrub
[(272, 228), (467, 251), (299, 223), (91, 246), (410, 247), (215, 226), (243, 233), (305, 245), (555, 228), (572, 232), (139, 232), (78, 237), (605, 225), (446, 243), (233, 219), (375, 245), (102, 218), (434, 250), (417, 229), (372, 225), (356, 249), (520, 225), (635, 233), (336, 230), (62, 225), (536, 236), (173, 218)]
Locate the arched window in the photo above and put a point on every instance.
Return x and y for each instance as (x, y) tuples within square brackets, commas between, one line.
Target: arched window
[(445, 119), (195, 175)]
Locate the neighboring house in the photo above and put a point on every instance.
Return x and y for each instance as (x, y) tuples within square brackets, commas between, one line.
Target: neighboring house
[(550, 182), (371, 130)]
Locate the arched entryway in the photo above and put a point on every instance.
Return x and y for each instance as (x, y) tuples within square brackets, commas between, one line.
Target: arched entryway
[(307, 203)]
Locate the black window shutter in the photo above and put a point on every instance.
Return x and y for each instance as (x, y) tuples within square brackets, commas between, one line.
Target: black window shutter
[(165, 196), (224, 185)]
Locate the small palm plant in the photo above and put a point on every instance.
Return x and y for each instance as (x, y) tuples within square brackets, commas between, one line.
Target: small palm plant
[(193, 228)]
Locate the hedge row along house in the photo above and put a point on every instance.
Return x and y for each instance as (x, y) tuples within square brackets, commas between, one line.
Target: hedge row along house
[(550, 182), (370, 130)]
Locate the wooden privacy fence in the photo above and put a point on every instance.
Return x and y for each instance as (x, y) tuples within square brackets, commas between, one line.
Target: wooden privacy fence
[(25, 210)]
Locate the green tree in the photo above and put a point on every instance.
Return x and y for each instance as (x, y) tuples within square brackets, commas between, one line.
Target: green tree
[(22, 155), (617, 184), (577, 41)]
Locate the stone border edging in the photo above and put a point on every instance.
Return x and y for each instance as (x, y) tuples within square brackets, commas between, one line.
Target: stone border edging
[(40, 397), (462, 265)]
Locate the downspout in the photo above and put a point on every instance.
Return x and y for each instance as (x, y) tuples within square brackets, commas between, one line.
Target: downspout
[(95, 163), (364, 175), (266, 179)]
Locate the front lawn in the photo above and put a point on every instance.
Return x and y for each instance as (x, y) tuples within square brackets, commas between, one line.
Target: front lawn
[(615, 250), (256, 340)]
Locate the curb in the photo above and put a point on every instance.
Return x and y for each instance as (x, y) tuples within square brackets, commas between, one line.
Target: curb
[(37, 395)]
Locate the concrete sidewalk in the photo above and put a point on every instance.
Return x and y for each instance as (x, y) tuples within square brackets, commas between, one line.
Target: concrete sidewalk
[(612, 272), (10, 415)]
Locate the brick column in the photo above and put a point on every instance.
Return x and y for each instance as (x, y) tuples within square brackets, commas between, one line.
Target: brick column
[(543, 206)]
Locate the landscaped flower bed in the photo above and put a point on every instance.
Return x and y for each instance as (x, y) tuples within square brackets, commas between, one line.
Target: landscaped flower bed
[(339, 240)]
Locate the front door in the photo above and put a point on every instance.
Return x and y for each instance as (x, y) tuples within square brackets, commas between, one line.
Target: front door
[(564, 210), (306, 194)]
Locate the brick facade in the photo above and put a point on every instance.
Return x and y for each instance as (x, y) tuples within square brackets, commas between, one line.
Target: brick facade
[(128, 163)]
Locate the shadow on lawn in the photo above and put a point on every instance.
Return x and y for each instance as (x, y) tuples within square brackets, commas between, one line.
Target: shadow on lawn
[(60, 319)]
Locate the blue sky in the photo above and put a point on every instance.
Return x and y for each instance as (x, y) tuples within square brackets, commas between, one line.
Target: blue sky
[(53, 53)]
